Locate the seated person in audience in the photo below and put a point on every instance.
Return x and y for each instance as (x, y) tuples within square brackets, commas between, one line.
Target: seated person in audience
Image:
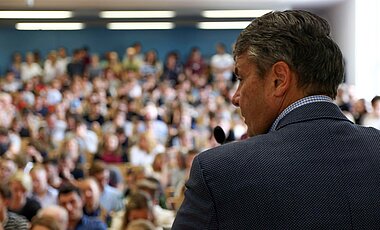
[(189, 157), (56, 212), (68, 170), (10, 220), (21, 186), (8, 113), (30, 68), (42, 191), (141, 224), (151, 64), (94, 107), (34, 154), (116, 178), (359, 110), (139, 206), (7, 168), (110, 198), (179, 189), (372, 119), (94, 69), (143, 152), (134, 174), (51, 167), (163, 217), (130, 62), (41, 141), (222, 63), (172, 68), (87, 139), (45, 222), (160, 168), (153, 187), (10, 84), (111, 150), (76, 65), (91, 199), (7, 144), (69, 197), (70, 147), (177, 168)]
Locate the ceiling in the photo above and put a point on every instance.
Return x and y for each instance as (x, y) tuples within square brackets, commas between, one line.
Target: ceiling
[(187, 11)]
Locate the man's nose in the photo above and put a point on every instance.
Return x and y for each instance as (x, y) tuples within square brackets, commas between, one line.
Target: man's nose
[(236, 98), (88, 193), (69, 207)]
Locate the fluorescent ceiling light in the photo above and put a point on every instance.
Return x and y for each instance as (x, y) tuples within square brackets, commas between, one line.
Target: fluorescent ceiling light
[(36, 14), (222, 25), (137, 14), (50, 26), (140, 25), (234, 13)]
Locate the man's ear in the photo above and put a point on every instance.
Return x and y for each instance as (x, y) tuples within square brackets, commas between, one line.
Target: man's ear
[(281, 78)]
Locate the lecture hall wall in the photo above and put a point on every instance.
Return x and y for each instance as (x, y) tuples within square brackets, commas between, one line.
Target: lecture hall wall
[(100, 40)]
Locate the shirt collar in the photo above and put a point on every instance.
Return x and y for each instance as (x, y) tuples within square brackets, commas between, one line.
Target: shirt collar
[(301, 102)]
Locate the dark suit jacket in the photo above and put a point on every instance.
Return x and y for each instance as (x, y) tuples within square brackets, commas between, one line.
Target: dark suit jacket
[(317, 170)]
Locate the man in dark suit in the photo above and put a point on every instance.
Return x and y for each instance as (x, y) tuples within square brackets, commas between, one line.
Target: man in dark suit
[(304, 165)]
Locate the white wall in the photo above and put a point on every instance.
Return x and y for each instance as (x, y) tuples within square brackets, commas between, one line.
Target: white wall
[(342, 22), (355, 27), (367, 48)]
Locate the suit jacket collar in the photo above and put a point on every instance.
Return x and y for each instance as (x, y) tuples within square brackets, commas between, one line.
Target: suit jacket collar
[(312, 111)]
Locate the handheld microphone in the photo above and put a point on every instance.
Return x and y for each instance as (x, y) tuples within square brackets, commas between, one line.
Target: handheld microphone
[(219, 135)]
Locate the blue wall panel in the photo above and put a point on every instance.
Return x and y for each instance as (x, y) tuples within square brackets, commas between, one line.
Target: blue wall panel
[(100, 40)]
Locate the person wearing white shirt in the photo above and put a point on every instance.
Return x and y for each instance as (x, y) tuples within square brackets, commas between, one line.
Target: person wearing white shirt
[(372, 119), (143, 153), (30, 69), (51, 68), (222, 63), (42, 191)]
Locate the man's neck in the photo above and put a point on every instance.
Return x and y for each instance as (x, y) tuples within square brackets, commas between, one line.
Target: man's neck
[(42, 193), (16, 205), (90, 209), (73, 224)]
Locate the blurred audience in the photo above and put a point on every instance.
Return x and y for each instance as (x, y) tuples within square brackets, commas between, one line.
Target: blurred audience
[(45, 222), (8, 219), (69, 197), (115, 128), (42, 191), (58, 213), (91, 199), (20, 202), (372, 118), (110, 197)]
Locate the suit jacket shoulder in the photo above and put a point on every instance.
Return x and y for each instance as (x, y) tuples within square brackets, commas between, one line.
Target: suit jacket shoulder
[(316, 170)]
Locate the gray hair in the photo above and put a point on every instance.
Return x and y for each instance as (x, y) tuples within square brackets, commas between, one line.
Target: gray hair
[(302, 40), (58, 213)]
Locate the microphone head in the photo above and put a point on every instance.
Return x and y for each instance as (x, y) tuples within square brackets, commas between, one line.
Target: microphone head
[(219, 135)]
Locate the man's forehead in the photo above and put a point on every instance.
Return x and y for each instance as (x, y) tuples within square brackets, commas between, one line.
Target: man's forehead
[(68, 196), (240, 61)]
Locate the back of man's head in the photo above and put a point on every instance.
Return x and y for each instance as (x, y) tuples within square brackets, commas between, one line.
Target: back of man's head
[(302, 40), (58, 213)]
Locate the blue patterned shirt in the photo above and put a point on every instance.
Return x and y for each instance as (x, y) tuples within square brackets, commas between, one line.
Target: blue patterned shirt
[(90, 223), (301, 102)]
